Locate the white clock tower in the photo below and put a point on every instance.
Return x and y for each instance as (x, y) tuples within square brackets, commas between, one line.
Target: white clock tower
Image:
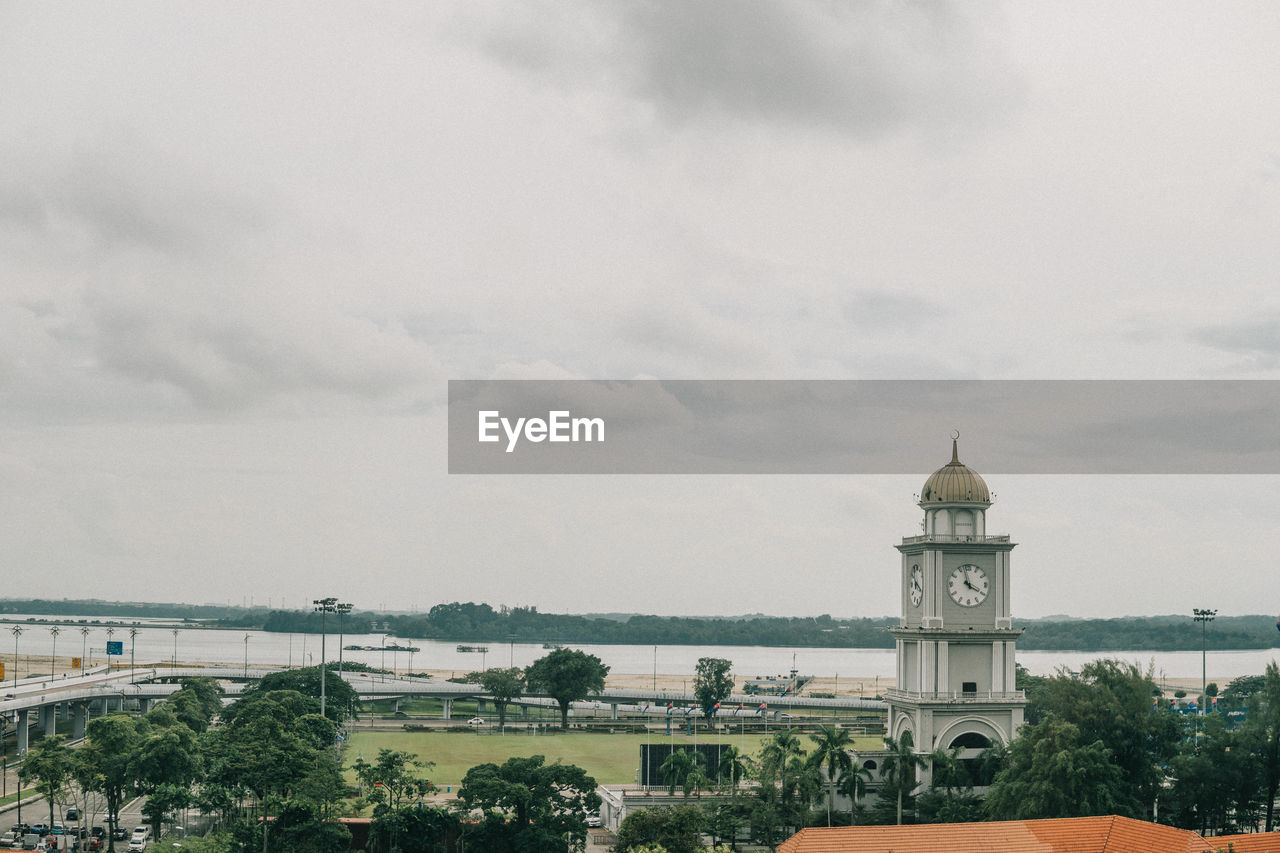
[(955, 643)]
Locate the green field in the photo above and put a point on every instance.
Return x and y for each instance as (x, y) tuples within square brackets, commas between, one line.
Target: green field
[(611, 759)]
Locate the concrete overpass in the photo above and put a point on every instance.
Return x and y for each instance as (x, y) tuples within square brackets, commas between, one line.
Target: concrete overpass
[(101, 687)]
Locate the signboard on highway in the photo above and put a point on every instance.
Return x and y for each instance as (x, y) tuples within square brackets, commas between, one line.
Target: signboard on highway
[(115, 647), (75, 663)]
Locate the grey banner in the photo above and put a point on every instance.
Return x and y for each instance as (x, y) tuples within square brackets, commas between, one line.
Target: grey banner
[(863, 426)]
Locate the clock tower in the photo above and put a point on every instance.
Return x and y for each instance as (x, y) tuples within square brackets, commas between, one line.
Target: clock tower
[(955, 643)]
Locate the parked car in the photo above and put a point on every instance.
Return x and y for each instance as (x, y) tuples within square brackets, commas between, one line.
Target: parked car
[(593, 820), (30, 840), (8, 838), (119, 833), (72, 813), (138, 841)]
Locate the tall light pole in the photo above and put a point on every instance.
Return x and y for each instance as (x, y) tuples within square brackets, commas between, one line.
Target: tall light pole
[(175, 648), (133, 642), (53, 655), (111, 632), (84, 647), (343, 609), (324, 606), (1204, 617), (246, 657), (17, 632)]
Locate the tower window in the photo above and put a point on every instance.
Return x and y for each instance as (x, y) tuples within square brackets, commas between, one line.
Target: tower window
[(969, 688)]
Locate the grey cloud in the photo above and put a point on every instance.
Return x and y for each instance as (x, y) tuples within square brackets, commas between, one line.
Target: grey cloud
[(1258, 340), (856, 67), (254, 355), (890, 310), (125, 195)]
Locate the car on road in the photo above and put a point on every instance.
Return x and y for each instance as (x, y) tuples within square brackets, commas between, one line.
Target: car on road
[(72, 813), (476, 721), (141, 835)]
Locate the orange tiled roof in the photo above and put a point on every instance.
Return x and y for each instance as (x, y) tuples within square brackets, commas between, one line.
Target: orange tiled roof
[(1106, 834), (1255, 842)]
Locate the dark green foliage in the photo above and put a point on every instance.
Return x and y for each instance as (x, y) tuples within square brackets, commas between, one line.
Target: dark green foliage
[(712, 683), (414, 829), (567, 675), (393, 779), (1054, 772), (339, 696), (503, 685), (529, 806), (677, 828)]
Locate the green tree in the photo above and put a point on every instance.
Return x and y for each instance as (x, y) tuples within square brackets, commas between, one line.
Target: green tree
[(102, 764), (677, 829), (567, 675), (339, 695), (831, 752), (165, 764), (1268, 726), (49, 764), (853, 784), (393, 778), (1053, 772), (676, 768), (732, 766), (1110, 702), (414, 829), (898, 770), (503, 685), (712, 684), (530, 806)]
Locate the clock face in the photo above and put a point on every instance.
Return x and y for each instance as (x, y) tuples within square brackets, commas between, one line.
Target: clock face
[(917, 586), (968, 585)]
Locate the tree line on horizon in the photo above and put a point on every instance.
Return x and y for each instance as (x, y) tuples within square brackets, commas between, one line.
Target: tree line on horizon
[(472, 622)]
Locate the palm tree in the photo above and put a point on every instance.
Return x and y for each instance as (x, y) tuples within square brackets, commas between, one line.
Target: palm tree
[(899, 769), (831, 750), (853, 784), (696, 777), (731, 766), (676, 769), (948, 773)]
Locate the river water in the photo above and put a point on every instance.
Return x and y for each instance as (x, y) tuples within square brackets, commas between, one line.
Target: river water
[(158, 644)]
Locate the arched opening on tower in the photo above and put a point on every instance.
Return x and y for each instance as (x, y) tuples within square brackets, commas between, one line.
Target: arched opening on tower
[(973, 745)]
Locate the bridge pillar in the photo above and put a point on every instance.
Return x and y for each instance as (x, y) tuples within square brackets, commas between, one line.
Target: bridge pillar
[(23, 723), (448, 708), (613, 711), (479, 706), (144, 704), (395, 708), (80, 718), (48, 719)]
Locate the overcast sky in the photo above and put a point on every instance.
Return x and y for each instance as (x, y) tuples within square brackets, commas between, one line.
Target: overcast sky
[(244, 246)]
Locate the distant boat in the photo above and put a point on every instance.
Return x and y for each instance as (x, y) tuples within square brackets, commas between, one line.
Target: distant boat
[(553, 645), (394, 648), (473, 648)]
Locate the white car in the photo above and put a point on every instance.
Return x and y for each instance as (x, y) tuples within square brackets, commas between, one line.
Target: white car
[(476, 721), (141, 835)]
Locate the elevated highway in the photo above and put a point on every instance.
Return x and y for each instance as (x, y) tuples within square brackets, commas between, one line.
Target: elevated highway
[(105, 689)]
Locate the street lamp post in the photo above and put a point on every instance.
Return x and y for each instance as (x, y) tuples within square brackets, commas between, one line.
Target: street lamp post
[(1204, 617), (246, 657), (343, 608), (324, 606), (17, 632), (53, 655), (133, 642), (84, 647), (111, 632), (175, 648)]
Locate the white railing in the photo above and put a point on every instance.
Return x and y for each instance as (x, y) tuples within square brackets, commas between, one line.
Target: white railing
[(953, 537), (957, 695)]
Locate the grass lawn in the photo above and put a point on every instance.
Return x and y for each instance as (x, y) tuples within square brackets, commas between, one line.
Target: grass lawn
[(611, 759)]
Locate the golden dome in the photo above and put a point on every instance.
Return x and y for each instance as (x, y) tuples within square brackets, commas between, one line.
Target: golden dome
[(955, 482)]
